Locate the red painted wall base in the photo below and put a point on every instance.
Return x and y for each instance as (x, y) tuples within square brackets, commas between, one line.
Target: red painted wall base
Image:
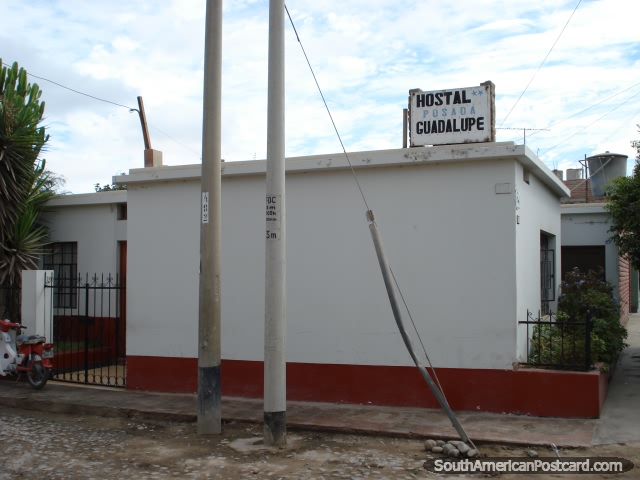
[(542, 393)]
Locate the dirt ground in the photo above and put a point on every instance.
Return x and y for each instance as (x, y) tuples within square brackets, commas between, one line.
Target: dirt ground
[(38, 445)]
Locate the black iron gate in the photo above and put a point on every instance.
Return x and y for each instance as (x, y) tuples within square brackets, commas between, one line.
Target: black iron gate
[(11, 302), (89, 330)]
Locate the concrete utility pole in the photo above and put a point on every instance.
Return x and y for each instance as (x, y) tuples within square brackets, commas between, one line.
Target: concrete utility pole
[(209, 411), (275, 382)]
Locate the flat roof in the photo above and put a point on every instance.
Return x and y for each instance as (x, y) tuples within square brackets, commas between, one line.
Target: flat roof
[(576, 208), (475, 152), (97, 198), (363, 160)]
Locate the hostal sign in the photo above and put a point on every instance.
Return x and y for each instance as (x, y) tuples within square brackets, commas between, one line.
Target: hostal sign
[(460, 115)]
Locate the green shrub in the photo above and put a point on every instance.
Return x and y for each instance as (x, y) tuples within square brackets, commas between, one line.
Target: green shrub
[(583, 294)]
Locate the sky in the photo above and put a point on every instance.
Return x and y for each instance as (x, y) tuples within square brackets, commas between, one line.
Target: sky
[(367, 55)]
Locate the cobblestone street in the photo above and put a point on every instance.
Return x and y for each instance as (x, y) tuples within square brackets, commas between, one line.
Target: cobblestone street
[(38, 445), (49, 446)]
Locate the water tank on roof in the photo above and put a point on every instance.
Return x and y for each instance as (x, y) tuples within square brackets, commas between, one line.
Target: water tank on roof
[(603, 167)]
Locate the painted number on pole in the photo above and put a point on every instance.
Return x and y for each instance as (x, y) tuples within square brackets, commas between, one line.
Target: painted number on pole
[(273, 217), (205, 207)]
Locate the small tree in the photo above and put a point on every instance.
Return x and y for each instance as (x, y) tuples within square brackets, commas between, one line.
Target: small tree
[(109, 188), (583, 295), (624, 206)]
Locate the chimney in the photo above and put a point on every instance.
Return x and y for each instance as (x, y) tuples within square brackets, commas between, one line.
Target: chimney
[(574, 173), (152, 158), (559, 174)]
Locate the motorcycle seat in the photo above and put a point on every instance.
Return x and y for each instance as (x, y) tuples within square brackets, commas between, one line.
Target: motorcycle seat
[(30, 339)]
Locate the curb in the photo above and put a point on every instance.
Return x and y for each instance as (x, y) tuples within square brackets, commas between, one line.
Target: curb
[(109, 411)]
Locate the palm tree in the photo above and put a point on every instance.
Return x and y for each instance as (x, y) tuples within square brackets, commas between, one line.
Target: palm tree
[(25, 184)]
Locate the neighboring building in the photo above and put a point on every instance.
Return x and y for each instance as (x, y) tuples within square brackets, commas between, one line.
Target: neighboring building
[(89, 234), (586, 240), (463, 227), (89, 259)]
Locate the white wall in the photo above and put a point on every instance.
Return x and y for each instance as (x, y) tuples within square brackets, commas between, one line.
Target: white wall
[(94, 226), (449, 237), (588, 225), (162, 270), (539, 211), (91, 221)]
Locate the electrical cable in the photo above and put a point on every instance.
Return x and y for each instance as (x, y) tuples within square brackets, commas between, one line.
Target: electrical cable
[(624, 123), (178, 142), (327, 107), (545, 59), (416, 330), (595, 121), (107, 101), (367, 205), (575, 114), (74, 91), (591, 176)]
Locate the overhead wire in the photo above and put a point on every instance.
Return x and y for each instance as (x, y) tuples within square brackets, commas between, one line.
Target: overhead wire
[(177, 141), (131, 109), (594, 148), (327, 107), (595, 121), (622, 124), (578, 113), (626, 121), (73, 90), (362, 194), (543, 61), (590, 176), (416, 330)]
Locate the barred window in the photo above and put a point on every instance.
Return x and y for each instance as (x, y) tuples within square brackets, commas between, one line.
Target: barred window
[(63, 260)]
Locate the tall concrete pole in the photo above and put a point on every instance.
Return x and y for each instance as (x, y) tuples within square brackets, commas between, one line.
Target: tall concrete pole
[(209, 411), (275, 382)]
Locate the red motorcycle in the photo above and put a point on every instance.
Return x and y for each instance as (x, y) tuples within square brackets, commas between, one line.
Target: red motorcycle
[(29, 354)]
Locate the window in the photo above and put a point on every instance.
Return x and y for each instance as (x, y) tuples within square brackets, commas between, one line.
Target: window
[(547, 272), (122, 211), (63, 260), (585, 258)]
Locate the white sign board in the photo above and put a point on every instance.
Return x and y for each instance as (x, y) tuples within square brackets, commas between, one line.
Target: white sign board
[(205, 207), (460, 115), (274, 215)]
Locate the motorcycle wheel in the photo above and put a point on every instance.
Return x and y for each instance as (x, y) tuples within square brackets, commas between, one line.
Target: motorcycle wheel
[(37, 374)]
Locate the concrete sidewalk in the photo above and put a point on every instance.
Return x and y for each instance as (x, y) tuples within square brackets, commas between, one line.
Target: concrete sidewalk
[(620, 421), (386, 421), (620, 418)]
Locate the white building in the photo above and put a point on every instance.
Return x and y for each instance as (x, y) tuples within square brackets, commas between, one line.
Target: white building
[(91, 230), (463, 227), (586, 245)]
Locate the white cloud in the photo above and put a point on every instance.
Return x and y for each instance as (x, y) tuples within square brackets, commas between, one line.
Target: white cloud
[(366, 54)]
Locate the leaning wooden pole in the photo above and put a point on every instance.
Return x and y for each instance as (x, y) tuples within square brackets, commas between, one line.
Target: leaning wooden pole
[(395, 307)]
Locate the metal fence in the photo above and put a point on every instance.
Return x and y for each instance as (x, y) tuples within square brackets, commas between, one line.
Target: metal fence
[(11, 302), (89, 329), (558, 344)]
